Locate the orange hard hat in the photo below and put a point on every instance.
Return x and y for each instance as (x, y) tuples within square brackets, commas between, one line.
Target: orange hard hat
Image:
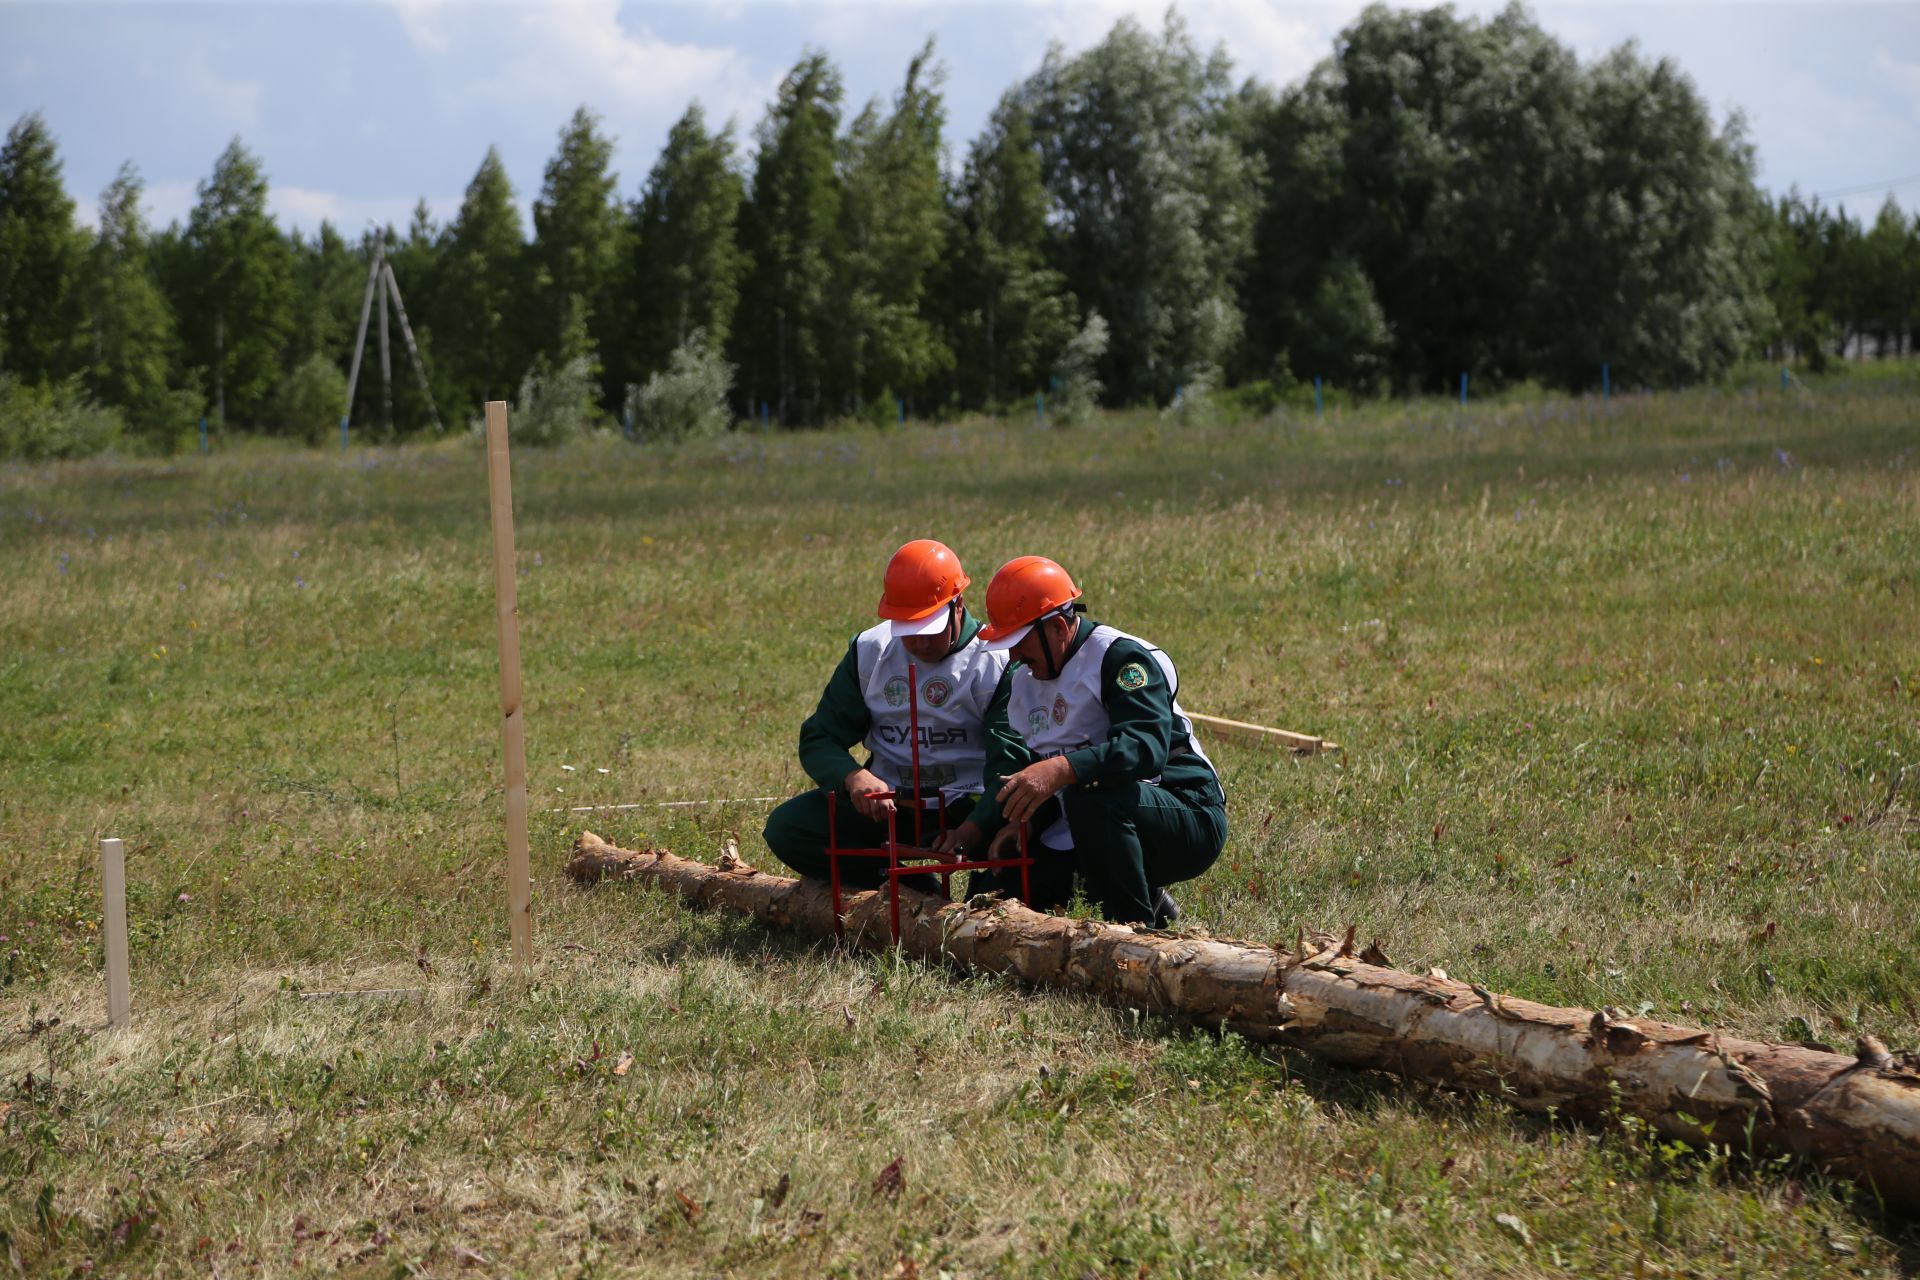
[(923, 578), (1025, 590)]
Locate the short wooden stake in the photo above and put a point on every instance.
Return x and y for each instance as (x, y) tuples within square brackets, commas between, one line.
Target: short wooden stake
[(513, 727), (113, 877)]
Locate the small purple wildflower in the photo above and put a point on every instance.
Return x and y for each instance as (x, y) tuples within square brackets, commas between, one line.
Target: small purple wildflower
[(299, 582)]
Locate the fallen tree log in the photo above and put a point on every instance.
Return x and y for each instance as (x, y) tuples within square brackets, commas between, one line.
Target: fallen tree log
[(1856, 1117)]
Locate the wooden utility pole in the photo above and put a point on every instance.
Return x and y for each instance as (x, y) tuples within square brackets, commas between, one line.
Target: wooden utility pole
[(386, 352), (382, 281)]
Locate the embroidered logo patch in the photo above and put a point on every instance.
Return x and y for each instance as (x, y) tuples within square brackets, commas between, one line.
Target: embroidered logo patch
[(1037, 721), (1060, 710), (936, 692), (1132, 676), (896, 692)]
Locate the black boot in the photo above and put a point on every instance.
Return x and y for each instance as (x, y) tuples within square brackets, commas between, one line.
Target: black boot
[(1165, 909)]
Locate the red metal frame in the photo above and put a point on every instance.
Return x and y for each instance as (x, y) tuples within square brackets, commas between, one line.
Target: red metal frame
[(913, 859)]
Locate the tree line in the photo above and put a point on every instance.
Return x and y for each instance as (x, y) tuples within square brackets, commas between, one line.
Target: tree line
[(1441, 195)]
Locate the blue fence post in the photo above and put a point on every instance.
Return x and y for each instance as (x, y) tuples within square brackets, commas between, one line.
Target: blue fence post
[(1463, 389), (900, 408), (626, 423), (1319, 407), (763, 415), (1606, 381), (203, 434), (343, 431), (1785, 377), (1040, 408)]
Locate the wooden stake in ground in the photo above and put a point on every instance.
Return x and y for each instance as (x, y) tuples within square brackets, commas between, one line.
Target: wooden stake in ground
[(513, 728), (113, 879), (1857, 1117)]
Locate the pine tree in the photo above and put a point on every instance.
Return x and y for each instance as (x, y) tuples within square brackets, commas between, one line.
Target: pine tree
[(1011, 312), (41, 254), (786, 332), (239, 290), (329, 278), (893, 226), (417, 260), (577, 244), (475, 318), (685, 263), (130, 324)]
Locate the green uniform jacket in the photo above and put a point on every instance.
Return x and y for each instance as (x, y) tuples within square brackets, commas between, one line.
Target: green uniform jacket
[(842, 720), (1139, 744)]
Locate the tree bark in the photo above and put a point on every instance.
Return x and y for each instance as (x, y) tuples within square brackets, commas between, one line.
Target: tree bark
[(1856, 1117)]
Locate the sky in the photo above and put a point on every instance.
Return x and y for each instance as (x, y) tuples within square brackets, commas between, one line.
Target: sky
[(360, 109)]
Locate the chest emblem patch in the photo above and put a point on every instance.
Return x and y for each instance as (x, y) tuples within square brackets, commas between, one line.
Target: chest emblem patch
[(1060, 709), (895, 692), (1132, 676), (1037, 721), (936, 692)]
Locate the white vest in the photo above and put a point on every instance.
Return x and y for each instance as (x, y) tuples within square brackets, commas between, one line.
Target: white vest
[(1066, 714), (954, 695)]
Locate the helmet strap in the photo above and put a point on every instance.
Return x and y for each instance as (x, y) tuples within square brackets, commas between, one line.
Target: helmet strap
[(1054, 665)]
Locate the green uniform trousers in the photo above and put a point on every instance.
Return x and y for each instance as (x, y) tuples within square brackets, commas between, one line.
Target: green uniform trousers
[(1131, 839), (796, 832)]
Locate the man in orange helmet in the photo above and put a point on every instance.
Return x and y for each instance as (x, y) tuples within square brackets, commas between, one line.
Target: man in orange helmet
[(961, 689), (1118, 776)]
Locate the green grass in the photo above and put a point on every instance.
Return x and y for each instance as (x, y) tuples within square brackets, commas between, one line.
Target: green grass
[(1624, 688)]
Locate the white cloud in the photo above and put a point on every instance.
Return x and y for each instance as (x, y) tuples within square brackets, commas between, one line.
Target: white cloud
[(300, 207), (565, 54), (167, 202), (306, 209), (197, 75), (1905, 75), (1270, 42)]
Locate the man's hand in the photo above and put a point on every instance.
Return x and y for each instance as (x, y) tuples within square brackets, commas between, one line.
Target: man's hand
[(1030, 788), (962, 841), (1006, 842), (861, 785)]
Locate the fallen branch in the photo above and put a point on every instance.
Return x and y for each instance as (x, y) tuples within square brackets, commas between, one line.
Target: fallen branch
[(1857, 1117)]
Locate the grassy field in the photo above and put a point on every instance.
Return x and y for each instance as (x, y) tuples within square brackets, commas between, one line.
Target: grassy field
[(1626, 691)]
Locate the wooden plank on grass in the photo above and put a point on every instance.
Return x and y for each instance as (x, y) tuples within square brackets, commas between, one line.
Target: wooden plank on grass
[(1260, 735)]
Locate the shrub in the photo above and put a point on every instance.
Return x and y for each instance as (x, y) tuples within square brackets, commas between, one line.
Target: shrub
[(554, 404), (311, 397), (1253, 401), (688, 398), (1076, 375), (1195, 403), (56, 421)]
